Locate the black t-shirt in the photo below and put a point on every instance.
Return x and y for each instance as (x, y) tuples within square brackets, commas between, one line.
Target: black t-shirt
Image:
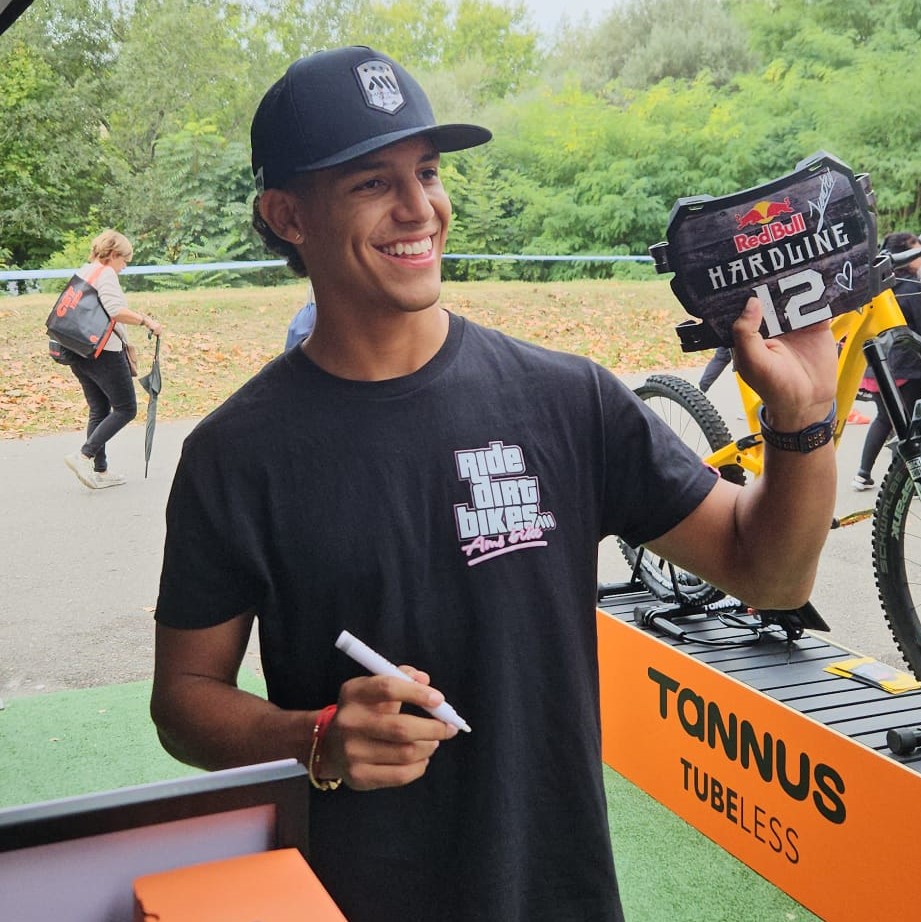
[(451, 520)]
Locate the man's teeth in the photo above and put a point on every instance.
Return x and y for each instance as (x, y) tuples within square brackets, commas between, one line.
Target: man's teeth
[(416, 248)]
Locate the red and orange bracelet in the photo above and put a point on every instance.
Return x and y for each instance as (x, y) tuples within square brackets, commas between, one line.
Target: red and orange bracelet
[(324, 719)]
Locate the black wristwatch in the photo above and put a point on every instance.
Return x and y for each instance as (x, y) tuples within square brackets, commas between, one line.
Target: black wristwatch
[(806, 440)]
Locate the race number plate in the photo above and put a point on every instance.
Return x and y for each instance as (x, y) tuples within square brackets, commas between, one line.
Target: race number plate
[(803, 244)]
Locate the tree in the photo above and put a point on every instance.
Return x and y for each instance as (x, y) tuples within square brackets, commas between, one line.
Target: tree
[(774, 25), (498, 38), (295, 28), (645, 41), (192, 203), (77, 38), (661, 100), (181, 62), (52, 158), (487, 201)]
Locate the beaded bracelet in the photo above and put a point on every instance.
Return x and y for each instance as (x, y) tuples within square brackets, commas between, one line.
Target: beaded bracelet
[(324, 719)]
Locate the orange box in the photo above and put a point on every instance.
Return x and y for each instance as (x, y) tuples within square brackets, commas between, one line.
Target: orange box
[(273, 886)]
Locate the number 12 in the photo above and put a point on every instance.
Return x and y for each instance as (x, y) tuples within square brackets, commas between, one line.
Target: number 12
[(798, 311)]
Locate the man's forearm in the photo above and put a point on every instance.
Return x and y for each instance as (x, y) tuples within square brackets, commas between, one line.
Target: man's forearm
[(783, 520), (761, 543), (211, 725)]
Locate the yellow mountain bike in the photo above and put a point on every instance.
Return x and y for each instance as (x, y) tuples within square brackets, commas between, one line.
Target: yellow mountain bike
[(864, 335)]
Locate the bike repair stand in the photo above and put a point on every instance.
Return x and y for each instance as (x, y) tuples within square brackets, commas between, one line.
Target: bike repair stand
[(665, 617)]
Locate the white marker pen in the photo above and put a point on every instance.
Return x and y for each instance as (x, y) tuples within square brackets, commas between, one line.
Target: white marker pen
[(374, 662)]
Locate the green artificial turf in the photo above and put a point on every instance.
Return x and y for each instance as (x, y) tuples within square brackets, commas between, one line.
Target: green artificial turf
[(96, 739)]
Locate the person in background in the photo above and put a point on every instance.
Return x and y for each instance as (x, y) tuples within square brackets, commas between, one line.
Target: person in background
[(302, 322), (106, 381), (439, 489), (718, 362), (904, 363)]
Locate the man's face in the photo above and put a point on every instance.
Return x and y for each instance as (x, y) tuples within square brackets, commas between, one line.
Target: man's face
[(376, 229)]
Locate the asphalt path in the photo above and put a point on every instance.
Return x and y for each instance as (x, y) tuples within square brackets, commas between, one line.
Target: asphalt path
[(80, 568)]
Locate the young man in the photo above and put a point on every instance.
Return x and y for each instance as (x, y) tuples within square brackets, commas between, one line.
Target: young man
[(439, 490)]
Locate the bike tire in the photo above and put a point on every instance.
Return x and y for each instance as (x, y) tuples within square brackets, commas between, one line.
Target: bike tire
[(689, 413), (897, 560)]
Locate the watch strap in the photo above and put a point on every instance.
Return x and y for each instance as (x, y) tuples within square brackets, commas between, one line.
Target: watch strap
[(806, 440)]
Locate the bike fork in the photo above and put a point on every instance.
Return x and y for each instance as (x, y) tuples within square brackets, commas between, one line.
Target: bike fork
[(907, 430)]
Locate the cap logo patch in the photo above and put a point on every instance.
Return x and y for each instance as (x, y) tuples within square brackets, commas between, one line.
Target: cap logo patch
[(379, 84)]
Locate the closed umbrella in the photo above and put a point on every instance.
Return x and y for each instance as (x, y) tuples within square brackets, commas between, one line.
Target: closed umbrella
[(151, 383)]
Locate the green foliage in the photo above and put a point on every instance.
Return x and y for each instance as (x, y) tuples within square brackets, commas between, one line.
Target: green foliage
[(489, 201), (191, 203), (642, 42), (290, 29), (497, 38), (775, 25), (135, 114), (396, 27), (180, 63), (78, 38), (51, 159), (74, 252)]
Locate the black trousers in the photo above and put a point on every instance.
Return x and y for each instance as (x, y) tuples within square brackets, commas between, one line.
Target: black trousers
[(880, 429), (110, 396)]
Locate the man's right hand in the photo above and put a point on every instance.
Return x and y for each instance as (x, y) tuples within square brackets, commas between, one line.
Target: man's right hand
[(371, 743)]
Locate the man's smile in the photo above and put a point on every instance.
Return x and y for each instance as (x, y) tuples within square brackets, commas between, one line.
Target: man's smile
[(407, 247)]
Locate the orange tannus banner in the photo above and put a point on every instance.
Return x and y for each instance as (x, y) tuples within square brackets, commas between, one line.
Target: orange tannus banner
[(829, 821)]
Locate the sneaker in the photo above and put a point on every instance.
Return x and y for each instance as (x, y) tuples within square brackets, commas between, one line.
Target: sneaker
[(83, 468), (857, 419), (861, 483), (104, 479)]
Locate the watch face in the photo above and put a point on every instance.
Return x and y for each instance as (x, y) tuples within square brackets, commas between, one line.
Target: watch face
[(803, 244)]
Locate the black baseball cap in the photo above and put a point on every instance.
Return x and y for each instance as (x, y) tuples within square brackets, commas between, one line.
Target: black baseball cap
[(334, 106)]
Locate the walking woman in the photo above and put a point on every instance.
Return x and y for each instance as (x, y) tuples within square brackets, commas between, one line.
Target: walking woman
[(106, 381)]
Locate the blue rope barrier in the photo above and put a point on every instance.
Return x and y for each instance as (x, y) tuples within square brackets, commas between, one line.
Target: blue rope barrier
[(26, 274)]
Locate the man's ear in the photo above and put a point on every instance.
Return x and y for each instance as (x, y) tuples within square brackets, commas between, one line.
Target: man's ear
[(278, 208)]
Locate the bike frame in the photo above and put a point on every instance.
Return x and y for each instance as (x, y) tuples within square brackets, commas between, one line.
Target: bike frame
[(853, 331)]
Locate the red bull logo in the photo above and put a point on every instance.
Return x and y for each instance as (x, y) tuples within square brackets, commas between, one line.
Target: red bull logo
[(763, 215), (764, 212)]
